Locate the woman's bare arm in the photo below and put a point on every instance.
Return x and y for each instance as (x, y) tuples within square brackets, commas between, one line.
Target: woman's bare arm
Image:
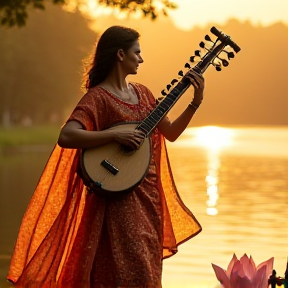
[(72, 135), (172, 130)]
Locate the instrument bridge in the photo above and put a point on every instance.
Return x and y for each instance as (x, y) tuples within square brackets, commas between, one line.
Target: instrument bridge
[(109, 166)]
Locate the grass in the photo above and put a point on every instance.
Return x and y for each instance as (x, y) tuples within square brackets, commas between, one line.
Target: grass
[(34, 135)]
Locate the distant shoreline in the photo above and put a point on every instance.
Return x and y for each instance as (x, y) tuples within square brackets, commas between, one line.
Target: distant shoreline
[(26, 149), (24, 138), (42, 137)]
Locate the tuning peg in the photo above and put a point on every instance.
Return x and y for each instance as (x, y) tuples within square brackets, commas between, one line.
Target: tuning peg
[(187, 65), (202, 44), (207, 38), (230, 55), (197, 53), (225, 63), (180, 73), (218, 67), (174, 81), (163, 93), (192, 59), (168, 87)]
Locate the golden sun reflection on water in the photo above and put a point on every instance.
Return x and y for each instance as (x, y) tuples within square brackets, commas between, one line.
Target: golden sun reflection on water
[(212, 138), (249, 175), (212, 184), (234, 180)]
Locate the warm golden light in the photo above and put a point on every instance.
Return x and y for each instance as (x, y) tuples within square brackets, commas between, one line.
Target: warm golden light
[(92, 9), (264, 12), (190, 14), (212, 183), (213, 137)]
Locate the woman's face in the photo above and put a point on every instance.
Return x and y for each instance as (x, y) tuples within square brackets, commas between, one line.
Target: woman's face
[(132, 59)]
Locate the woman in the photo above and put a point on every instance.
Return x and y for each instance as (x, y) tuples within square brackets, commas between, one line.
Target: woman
[(70, 238)]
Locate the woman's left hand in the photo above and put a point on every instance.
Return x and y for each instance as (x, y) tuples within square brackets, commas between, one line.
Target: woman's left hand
[(198, 82)]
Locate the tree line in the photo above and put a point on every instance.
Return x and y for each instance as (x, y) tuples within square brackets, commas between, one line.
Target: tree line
[(15, 12), (41, 66)]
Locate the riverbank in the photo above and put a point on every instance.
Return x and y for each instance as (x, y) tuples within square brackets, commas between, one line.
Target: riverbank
[(19, 136)]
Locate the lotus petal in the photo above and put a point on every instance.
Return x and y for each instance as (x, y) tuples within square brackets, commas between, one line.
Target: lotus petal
[(243, 282), (248, 267), (231, 264), (221, 276), (253, 269), (237, 268), (236, 278), (261, 281), (269, 266)]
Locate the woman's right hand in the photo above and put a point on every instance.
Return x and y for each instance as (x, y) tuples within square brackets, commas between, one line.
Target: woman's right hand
[(129, 137)]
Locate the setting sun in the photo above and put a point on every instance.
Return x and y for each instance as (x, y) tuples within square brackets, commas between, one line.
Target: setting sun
[(213, 137)]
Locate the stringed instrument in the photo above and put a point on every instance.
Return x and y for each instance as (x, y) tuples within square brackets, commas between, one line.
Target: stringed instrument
[(111, 169)]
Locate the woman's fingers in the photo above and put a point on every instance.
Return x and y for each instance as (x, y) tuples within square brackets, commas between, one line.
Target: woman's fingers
[(139, 137), (131, 138), (194, 81), (197, 80)]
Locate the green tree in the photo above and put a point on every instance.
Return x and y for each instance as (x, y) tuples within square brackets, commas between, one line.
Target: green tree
[(15, 12), (41, 66)]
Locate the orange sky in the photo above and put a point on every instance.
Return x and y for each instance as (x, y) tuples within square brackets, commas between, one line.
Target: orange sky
[(168, 43), (198, 13), (264, 12)]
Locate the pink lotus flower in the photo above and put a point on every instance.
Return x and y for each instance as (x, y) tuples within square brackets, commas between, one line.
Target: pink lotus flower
[(244, 274)]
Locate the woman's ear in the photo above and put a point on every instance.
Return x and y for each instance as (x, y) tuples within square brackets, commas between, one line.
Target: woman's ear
[(120, 55)]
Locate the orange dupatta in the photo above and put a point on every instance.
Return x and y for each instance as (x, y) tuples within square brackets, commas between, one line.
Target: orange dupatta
[(53, 215)]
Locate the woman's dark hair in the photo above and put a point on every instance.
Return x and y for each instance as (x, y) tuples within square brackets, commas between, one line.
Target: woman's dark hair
[(113, 39)]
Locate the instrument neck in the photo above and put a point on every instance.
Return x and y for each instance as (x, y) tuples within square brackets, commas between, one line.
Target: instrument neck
[(152, 120)]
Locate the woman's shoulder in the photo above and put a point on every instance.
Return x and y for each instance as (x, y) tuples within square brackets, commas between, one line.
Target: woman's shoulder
[(94, 94), (95, 91)]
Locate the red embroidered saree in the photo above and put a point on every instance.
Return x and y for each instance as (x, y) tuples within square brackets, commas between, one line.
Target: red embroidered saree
[(72, 239)]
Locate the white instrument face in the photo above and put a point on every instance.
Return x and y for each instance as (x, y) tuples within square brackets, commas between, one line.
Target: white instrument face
[(110, 168)]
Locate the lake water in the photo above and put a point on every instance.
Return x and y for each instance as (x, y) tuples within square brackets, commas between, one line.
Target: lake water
[(234, 179)]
